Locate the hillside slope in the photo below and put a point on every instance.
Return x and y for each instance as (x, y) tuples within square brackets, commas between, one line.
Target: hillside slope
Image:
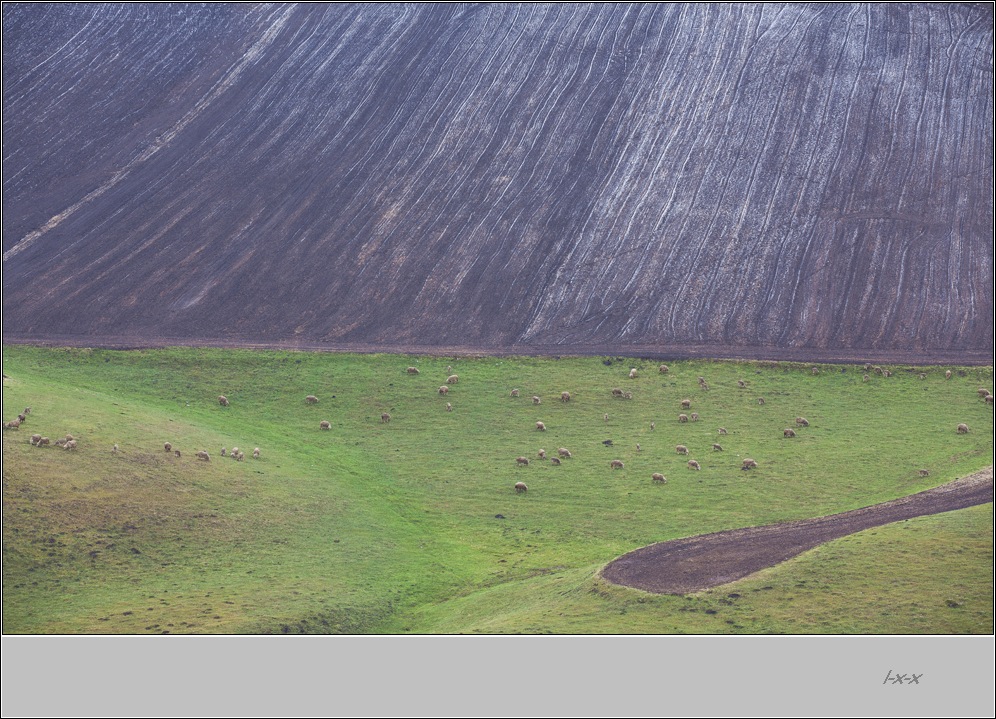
[(805, 177)]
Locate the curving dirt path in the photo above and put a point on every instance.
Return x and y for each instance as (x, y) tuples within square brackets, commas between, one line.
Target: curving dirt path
[(687, 565)]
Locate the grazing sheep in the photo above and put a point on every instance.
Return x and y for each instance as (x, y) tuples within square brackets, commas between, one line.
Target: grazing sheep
[(564, 452), (638, 447), (541, 427), (204, 455), (878, 370), (13, 424), (695, 416), (311, 399), (722, 430), (69, 438), (223, 452), (235, 453), (749, 464), (324, 424), (924, 473), (741, 384), (449, 368), (627, 395), (717, 448), (565, 396), (514, 393), (554, 461), (70, 444), (702, 380), (412, 370), (520, 487), (115, 449), (865, 378), (22, 418), (523, 461), (605, 417), (682, 417), (815, 370), (222, 400), (617, 392), (449, 407), (43, 441), (27, 410), (168, 447), (385, 417), (802, 421), (60, 443), (788, 433), (542, 454), (536, 400), (241, 456), (989, 399), (255, 453), (35, 439), (962, 429), (868, 366), (659, 478), (616, 464), (663, 369), (686, 404), (452, 379), (632, 373), (982, 392), (692, 464), (177, 452), (653, 425), (443, 389), (922, 375), (704, 385), (947, 375), (760, 400), (886, 373), (681, 449)]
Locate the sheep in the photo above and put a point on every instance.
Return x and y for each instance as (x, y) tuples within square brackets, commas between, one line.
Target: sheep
[(632, 373), (449, 407), (878, 370), (542, 454), (565, 396), (452, 379), (555, 461), (13, 424), (682, 417), (43, 441), (22, 418), (741, 384), (627, 395), (924, 473), (255, 453), (982, 392), (865, 378), (385, 417), (947, 375), (717, 448), (760, 400), (241, 456), (223, 452), (540, 427), (686, 404), (663, 369), (564, 452), (616, 464), (60, 443), (989, 399), (705, 385), (659, 478), (701, 380), (177, 453), (868, 366), (681, 449), (722, 430), (69, 438), (35, 439), (536, 400), (222, 400), (235, 453), (802, 421), (788, 432), (449, 368), (70, 444), (412, 370), (520, 487), (27, 410), (522, 461), (962, 429), (695, 416), (514, 393), (886, 373), (922, 375), (638, 447), (605, 417), (311, 399), (617, 392), (653, 425), (115, 449), (168, 447), (815, 370), (204, 455), (324, 424), (443, 389), (749, 464), (692, 464)]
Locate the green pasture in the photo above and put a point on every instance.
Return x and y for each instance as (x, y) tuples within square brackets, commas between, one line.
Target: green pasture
[(412, 526)]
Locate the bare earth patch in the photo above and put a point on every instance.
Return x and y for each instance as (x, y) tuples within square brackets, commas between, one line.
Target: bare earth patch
[(687, 565)]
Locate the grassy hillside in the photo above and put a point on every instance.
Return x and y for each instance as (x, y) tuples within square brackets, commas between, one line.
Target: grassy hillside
[(413, 525)]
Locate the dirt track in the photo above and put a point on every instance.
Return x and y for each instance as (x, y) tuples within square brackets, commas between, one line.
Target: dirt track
[(687, 565)]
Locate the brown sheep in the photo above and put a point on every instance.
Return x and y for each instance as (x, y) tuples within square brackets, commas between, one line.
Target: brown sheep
[(520, 487), (412, 370), (695, 416), (554, 461), (878, 370), (35, 438), (385, 417), (324, 424), (947, 375), (868, 366), (681, 449), (617, 392), (682, 417), (982, 392), (222, 400), (627, 395), (704, 385), (204, 455), (22, 418), (741, 384), (224, 452), (565, 396), (760, 400), (542, 454), (717, 448), (443, 389), (749, 464), (686, 404), (452, 379), (449, 407), (692, 464), (514, 393), (540, 427), (815, 370), (13, 424), (235, 453), (522, 461), (722, 430), (536, 400), (638, 449), (702, 380), (989, 399), (788, 433), (962, 429), (255, 453), (43, 441), (663, 369), (924, 473), (564, 452), (311, 399), (27, 410), (242, 456), (659, 478), (69, 438), (70, 444), (168, 447), (865, 378), (616, 464), (176, 452), (802, 421), (632, 373), (886, 373), (653, 425)]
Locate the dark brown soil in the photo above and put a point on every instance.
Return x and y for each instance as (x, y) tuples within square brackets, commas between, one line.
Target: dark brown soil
[(691, 564)]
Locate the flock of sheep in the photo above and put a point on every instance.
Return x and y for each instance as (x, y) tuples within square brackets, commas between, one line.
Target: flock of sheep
[(68, 442)]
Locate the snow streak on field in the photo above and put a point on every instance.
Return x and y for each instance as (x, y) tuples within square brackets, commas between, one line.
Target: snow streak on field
[(569, 176)]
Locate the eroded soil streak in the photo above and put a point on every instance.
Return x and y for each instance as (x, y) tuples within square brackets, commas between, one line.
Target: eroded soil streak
[(687, 565)]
